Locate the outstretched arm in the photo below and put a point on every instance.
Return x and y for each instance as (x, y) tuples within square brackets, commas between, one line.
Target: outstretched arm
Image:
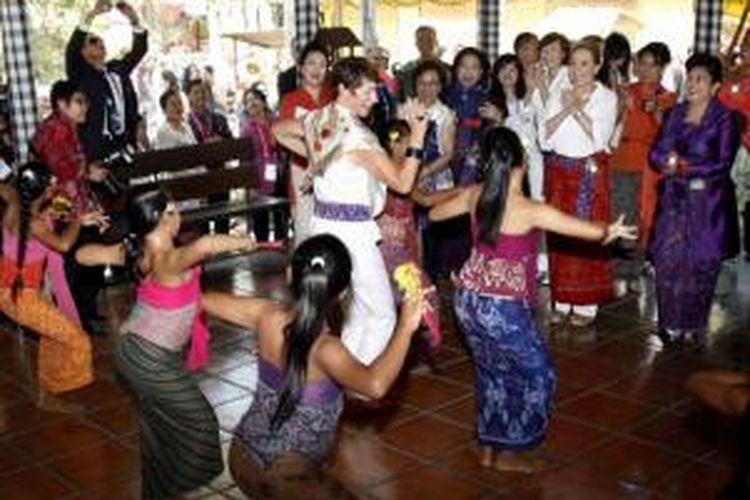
[(101, 255), (242, 311), (180, 259), (458, 204), (553, 220), (140, 38), (372, 381)]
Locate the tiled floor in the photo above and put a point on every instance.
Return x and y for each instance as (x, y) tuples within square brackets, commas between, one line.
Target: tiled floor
[(623, 425)]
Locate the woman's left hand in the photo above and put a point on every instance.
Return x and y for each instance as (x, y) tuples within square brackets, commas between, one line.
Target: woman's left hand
[(618, 230)]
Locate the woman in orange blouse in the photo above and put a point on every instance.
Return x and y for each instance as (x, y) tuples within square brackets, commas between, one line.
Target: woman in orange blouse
[(634, 184)]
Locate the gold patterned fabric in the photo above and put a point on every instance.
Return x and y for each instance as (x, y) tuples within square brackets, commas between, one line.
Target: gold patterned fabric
[(64, 362)]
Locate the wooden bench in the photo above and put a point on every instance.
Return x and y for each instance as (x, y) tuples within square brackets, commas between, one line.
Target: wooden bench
[(227, 166)]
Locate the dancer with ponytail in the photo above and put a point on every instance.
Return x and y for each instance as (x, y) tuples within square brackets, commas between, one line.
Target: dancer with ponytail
[(30, 250), (281, 443), (495, 300), (179, 431)]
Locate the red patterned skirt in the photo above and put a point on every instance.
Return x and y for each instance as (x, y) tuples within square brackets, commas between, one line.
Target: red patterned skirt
[(580, 271)]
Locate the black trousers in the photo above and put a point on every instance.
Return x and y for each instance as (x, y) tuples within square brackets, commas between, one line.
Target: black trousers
[(85, 282)]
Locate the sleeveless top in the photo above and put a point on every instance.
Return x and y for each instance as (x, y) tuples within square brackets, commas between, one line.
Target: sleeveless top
[(310, 431), (167, 321), (506, 269)]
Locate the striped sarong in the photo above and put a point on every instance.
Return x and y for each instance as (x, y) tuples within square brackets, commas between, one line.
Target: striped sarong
[(180, 448)]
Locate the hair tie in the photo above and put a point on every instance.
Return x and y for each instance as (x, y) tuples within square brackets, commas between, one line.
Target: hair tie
[(318, 261)]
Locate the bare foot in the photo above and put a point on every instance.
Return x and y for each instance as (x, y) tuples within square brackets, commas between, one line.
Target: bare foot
[(513, 462), (48, 402), (485, 456)]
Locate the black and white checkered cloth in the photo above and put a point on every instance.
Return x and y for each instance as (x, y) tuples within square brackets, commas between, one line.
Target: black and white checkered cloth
[(488, 12), (306, 20), (707, 26), (20, 71)]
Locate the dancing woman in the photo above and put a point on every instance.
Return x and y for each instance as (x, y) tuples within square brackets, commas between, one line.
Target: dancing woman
[(351, 173), (281, 443), (179, 431), (495, 298), (30, 250)]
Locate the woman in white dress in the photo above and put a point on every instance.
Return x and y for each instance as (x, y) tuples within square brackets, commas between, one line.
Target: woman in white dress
[(351, 173)]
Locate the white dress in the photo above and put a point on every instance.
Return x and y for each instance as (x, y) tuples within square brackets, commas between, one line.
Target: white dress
[(347, 198)]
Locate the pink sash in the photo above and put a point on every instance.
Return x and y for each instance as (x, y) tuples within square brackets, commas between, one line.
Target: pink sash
[(166, 297)]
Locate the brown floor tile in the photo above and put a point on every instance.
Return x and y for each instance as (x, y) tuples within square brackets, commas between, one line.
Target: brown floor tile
[(629, 354), (17, 418), (58, 438), (585, 369), (119, 420), (11, 460), (427, 482), (460, 372), (94, 468), (128, 489), (698, 482), (356, 418), (105, 365), (101, 394), (634, 462), (33, 484), (465, 461), (567, 438), (645, 386), (427, 392), (361, 461), (605, 410), (426, 436), (463, 412), (682, 434)]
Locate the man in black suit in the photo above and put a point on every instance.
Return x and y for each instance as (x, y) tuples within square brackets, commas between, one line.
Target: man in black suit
[(113, 104), (110, 126)]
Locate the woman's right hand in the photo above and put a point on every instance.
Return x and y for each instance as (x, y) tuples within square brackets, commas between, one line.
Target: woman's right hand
[(412, 309)]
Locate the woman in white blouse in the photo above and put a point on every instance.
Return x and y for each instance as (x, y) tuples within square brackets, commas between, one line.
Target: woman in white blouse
[(552, 76), (441, 243), (175, 131), (577, 125)]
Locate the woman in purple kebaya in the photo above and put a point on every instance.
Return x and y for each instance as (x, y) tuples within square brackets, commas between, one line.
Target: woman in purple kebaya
[(696, 223)]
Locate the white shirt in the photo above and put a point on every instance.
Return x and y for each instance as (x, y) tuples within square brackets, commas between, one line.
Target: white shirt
[(559, 82), (570, 139), (346, 182), (169, 136)]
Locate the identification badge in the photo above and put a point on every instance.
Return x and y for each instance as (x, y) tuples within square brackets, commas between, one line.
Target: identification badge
[(697, 185), (271, 172)]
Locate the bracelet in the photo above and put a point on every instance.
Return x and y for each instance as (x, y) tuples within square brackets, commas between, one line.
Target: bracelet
[(416, 153)]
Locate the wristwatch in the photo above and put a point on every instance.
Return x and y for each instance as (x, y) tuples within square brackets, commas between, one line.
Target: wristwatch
[(416, 153)]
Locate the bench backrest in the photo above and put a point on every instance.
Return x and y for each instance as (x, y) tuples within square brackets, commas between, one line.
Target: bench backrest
[(214, 156)]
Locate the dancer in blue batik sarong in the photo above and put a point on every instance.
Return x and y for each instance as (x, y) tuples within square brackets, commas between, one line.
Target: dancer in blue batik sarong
[(495, 297)]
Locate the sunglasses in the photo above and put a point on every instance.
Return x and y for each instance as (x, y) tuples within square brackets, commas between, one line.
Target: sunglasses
[(94, 40)]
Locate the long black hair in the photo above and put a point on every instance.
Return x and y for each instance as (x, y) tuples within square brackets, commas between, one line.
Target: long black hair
[(502, 151), (616, 47), (321, 271), (144, 211), (503, 61), (31, 182)]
